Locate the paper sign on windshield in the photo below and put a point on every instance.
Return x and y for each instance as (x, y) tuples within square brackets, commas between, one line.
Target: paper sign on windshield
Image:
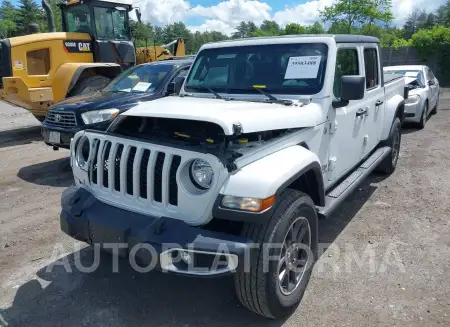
[(142, 86), (411, 74), (302, 67)]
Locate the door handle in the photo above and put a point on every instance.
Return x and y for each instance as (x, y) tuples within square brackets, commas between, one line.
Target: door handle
[(361, 112), (378, 103)]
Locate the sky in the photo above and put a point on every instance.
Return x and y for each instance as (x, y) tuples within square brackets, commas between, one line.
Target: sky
[(224, 15)]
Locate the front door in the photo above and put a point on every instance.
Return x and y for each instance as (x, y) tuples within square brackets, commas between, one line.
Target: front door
[(373, 100), (345, 125), (434, 88)]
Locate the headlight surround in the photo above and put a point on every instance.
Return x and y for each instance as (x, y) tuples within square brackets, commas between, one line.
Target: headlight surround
[(82, 151), (412, 99), (247, 204), (98, 116), (201, 173)]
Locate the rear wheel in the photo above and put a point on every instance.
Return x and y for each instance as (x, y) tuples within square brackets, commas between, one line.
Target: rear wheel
[(89, 85), (389, 164), (273, 282)]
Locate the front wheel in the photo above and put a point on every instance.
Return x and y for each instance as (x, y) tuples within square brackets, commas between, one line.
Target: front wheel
[(435, 109), (273, 282), (424, 116), (389, 164)]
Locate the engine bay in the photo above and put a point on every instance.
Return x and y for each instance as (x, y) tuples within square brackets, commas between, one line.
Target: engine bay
[(188, 132)]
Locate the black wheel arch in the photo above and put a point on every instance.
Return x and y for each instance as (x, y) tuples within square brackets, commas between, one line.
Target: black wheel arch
[(85, 71), (308, 180), (400, 112)]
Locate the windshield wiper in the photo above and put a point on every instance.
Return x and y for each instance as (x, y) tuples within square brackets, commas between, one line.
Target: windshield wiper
[(217, 95), (268, 95)]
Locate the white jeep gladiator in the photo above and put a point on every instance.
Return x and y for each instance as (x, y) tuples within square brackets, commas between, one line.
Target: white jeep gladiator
[(267, 135)]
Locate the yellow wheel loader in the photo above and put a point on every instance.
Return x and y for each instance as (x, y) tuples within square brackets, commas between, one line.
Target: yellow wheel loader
[(40, 69)]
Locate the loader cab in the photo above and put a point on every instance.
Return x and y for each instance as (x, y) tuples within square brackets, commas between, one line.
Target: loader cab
[(107, 22)]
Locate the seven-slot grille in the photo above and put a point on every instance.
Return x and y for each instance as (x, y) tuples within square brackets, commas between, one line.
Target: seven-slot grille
[(61, 118), (139, 172)]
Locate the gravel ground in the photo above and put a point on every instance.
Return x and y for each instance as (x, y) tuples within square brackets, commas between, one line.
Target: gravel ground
[(386, 259)]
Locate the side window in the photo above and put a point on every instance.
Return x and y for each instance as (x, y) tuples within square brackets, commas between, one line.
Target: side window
[(346, 64), (182, 73), (78, 19), (371, 65), (38, 62)]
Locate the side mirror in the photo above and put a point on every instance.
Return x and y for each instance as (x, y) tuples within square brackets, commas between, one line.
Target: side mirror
[(431, 82), (352, 87), (175, 86)]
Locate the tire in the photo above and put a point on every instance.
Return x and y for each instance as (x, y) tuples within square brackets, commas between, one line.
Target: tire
[(89, 85), (424, 116), (435, 109), (258, 288), (389, 164)]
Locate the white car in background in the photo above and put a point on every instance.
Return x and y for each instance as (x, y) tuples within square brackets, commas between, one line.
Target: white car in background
[(423, 92)]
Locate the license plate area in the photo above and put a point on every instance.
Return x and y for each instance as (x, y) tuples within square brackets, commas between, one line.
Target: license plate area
[(54, 137)]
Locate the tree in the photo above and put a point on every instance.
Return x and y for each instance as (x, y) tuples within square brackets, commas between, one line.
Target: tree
[(56, 14), (268, 28), (245, 29), (142, 33), (8, 15), (294, 28), (7, 27), (315, 28), (443, 14), (7, 11), (28, 13), (411, 24), (354, 13), (341, 28)]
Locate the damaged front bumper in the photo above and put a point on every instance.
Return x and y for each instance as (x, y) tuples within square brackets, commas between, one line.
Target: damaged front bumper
[(170, 244)]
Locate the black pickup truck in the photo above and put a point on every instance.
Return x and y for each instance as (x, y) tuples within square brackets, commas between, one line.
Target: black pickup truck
[(96, 111)]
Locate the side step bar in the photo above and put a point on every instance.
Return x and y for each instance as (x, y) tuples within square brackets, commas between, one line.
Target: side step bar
[(340, 192)]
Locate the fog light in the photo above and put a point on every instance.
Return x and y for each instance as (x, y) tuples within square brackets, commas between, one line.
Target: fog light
[(186, 257)]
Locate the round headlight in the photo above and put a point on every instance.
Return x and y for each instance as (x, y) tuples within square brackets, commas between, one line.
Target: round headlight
[(202, 174), (82, 152)]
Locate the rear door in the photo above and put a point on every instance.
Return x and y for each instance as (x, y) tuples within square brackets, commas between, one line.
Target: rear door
[(345, 127), (373, 103)]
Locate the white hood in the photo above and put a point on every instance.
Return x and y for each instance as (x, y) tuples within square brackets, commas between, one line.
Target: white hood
[(252, 116)]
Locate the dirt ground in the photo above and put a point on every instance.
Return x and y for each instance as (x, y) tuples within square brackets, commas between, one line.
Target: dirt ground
[(386, 259)]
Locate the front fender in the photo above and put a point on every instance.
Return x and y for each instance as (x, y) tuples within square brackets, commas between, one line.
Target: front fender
[(393, 105), (271, 174), (68, 74)]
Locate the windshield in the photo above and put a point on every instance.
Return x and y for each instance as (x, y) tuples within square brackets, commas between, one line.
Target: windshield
[(111, 23), (278, 68), (409, 73), (143, 78), (78, 19)]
